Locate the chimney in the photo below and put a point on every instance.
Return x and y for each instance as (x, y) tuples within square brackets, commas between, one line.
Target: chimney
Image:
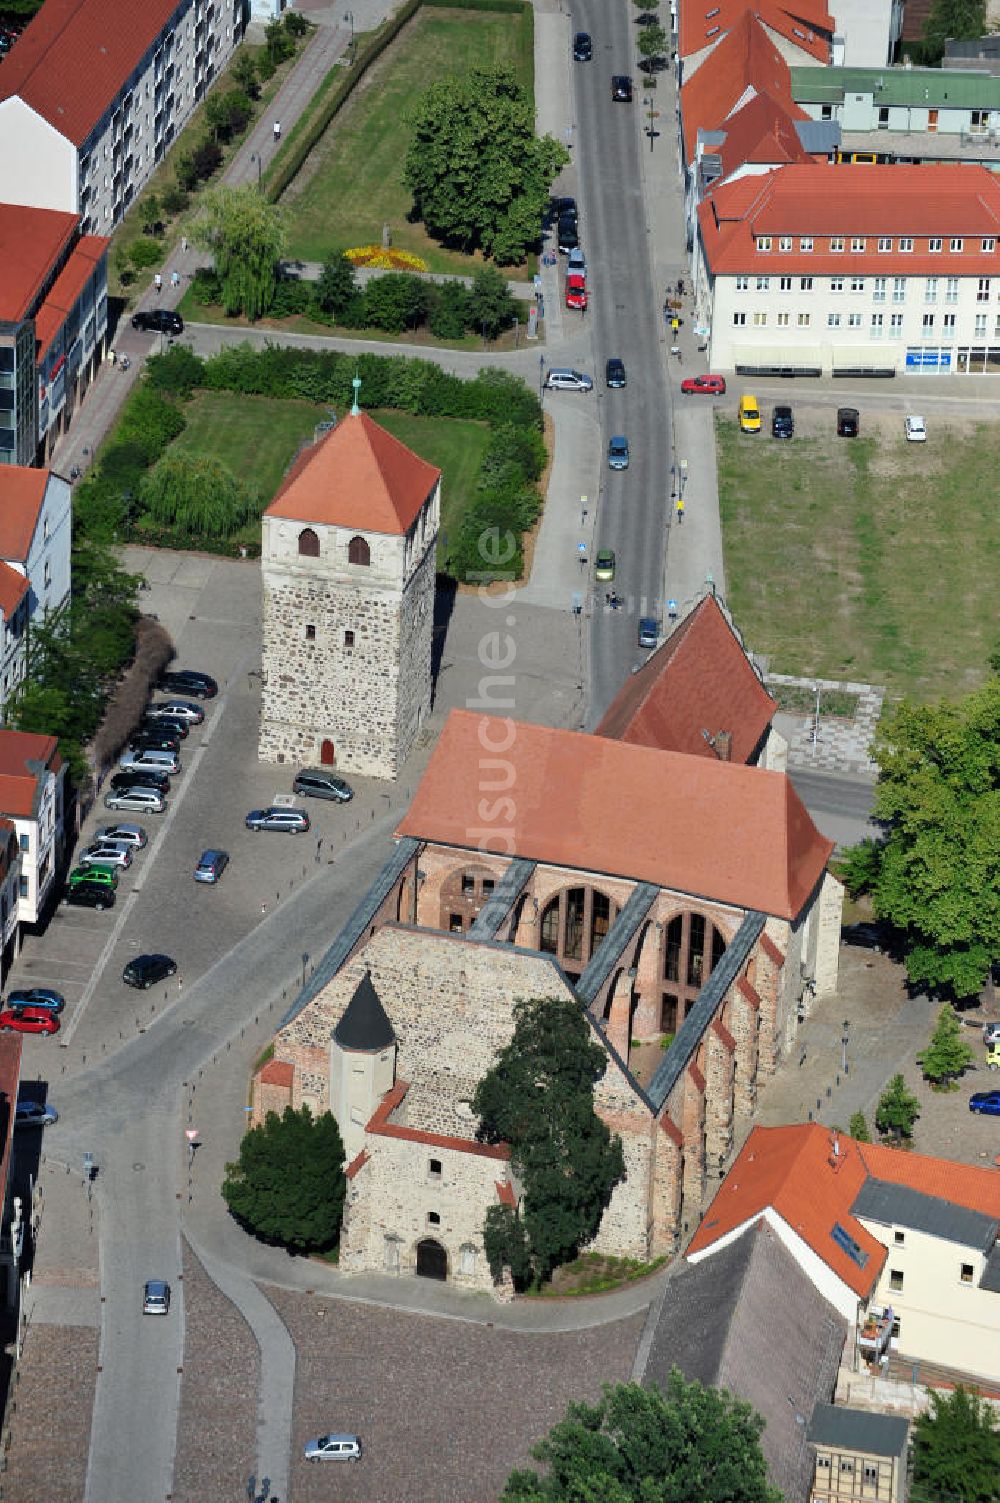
[(724, 745)]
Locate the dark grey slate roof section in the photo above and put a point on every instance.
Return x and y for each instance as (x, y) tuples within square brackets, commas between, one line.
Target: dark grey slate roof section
[(605, 957), (748, 1319), (899, 1205), (857, 1430), (991, 1272), (675, 1061), (364, 1026), (360, 920), (502, 899), (818, 135)]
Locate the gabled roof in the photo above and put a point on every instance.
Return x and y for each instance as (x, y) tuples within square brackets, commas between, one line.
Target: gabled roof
[(744, 65), (808, 24), (24, 756), (794, 1172), (750, 1320), (13, 588), (763, 131), (22, 492), (364, 1026), (356, 476), (32, 241), (858, 1430), (65, 291), (737, 834), (699, 680), (74, 58), (816, 1190)]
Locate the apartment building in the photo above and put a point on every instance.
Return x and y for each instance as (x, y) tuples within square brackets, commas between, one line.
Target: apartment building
[(35, 540), (95, 92), (53, 323), (32, 775), (851, 270)]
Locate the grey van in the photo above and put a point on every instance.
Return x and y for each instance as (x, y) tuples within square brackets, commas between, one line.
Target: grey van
[(318, 783)]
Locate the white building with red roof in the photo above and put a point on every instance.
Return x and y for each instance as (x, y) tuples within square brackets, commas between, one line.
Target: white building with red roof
[(907, 1247), (348, 568), (851, 269), (35, 529), (94, 93), (32, 774)]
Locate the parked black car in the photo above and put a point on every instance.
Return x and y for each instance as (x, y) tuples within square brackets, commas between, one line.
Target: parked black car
[(154, 740), (141, 777), (145, 970), (848, 422), (189, 681), (565, 208), (158, 321), (178, 728), (89, 895), (782, 423), (566, 236)]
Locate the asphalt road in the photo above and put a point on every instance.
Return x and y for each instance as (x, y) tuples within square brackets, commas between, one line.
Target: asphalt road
[(623, 317), (840, 805)]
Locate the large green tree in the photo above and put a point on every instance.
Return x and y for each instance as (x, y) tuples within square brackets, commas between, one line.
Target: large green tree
[(936, 876), (246, 237), (952, 18), (644, 1445), (947, 1055), (956, 1450), (480, 177), (288, 1185), (198, 494), (539, 1098), (897, 1110)]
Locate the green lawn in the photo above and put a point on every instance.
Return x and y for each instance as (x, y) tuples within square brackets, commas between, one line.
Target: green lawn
[(257, 438), (873, 560), (354, 182)]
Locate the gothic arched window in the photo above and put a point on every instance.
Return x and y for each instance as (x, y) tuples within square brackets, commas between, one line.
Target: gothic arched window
[(308, 543), (358, 552)]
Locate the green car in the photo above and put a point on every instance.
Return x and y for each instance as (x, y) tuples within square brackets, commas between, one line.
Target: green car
[(100, 876), (604, 564)]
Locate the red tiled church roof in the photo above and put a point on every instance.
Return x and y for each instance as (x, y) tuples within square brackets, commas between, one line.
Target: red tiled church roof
[(738, 834), (699, 680), (75, 57), (356, 476)]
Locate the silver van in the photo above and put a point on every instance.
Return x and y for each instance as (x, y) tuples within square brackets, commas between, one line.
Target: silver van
[(316, 782), (567, 380)]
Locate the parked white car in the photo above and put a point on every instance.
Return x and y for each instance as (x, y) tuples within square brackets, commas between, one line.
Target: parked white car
[(916, 430), (152, 758), (106, 853)]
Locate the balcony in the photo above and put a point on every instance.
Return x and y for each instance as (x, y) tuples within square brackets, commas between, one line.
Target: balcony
[(875, 1334)]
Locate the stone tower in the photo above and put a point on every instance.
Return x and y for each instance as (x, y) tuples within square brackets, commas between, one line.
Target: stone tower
[(348, 554), (362, 1064)]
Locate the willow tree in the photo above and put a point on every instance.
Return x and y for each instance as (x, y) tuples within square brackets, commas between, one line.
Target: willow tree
[(246, 237)]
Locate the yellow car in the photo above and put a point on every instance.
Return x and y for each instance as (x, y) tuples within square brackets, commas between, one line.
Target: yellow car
[(749, 414), (604, 565)]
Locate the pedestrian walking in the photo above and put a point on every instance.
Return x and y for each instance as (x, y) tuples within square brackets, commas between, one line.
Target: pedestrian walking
[(158, 282), (672, 609), (277, 131), (680, 508), (112, 355), (175, 280), (184, 245)]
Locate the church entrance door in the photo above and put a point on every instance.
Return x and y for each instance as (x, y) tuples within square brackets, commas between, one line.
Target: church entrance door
[(326, 754), (432, 1260)]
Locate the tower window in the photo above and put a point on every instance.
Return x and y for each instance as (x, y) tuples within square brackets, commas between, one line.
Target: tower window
[(310, 633), (358, 552), (436, 1167), (348, 639), (433, 1218), (308, 543)]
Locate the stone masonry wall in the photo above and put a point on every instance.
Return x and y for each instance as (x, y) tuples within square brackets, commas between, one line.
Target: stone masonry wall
[(416, 629), (394, 1194)]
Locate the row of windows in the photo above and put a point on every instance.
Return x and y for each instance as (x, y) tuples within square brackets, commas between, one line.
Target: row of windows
[(928, 322), (880, 286), (358, 551), (966, 1275), (837, 244)]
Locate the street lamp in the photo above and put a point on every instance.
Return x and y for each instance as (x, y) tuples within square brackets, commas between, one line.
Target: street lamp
[(844, 1041), (541, 375), (349, 16), (255, 157)]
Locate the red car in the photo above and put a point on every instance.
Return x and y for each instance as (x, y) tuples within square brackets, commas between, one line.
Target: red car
[(28, 1020), (713, 386), (576, 291)]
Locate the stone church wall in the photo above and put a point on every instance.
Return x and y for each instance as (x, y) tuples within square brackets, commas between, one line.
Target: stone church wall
[(416, 631)]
